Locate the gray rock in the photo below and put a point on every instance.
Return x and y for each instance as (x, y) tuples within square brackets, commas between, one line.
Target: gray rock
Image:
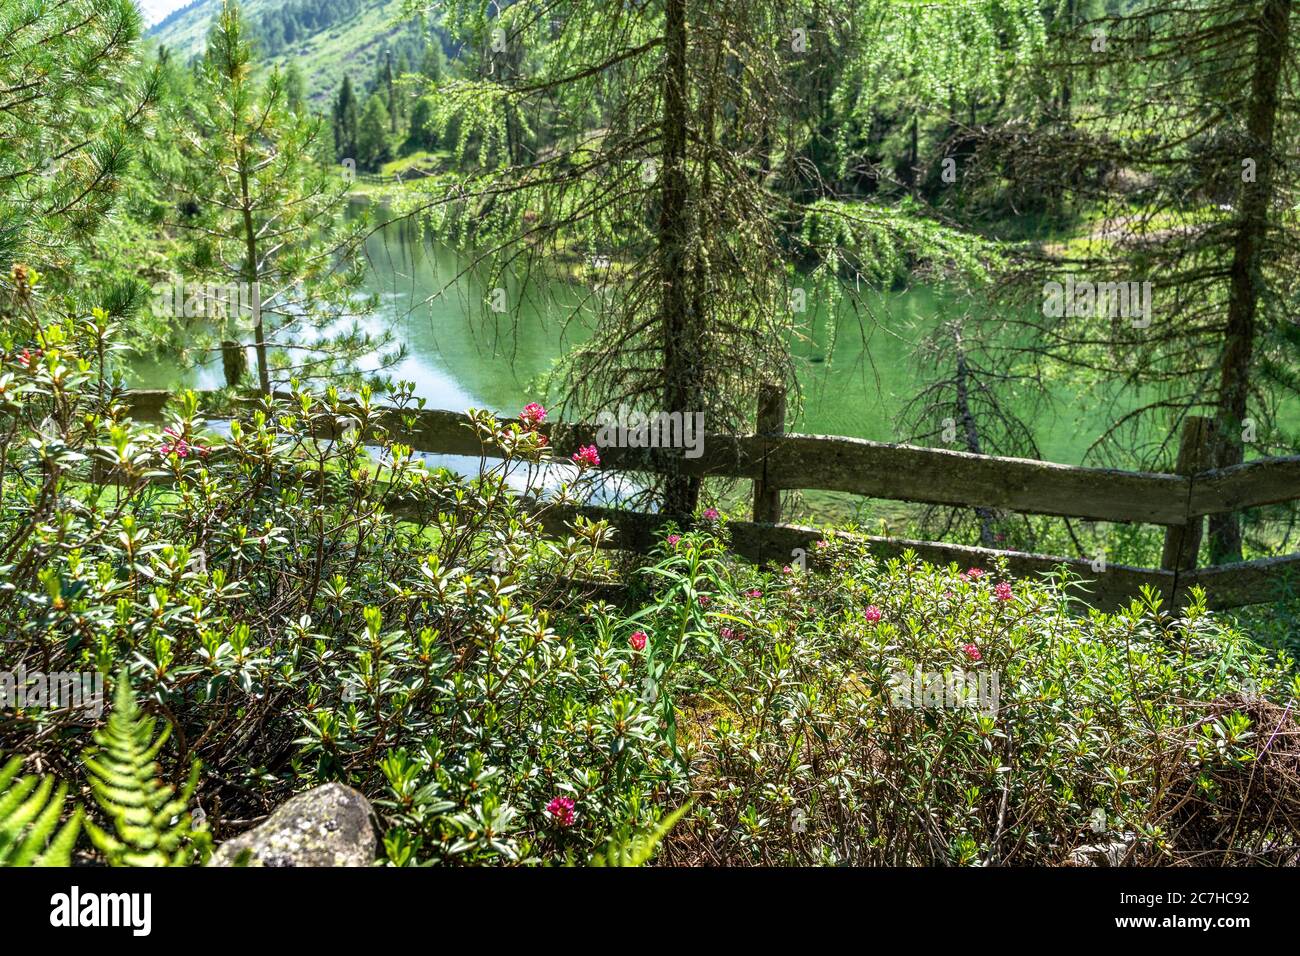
[(330, 825), (1103, 854)]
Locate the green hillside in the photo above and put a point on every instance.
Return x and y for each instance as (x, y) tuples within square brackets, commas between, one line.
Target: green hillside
[(354, 45)]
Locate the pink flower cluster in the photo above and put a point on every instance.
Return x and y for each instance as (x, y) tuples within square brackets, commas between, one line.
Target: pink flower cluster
[(637, 640), (673, 539), (1003, 591), (872, 614), (587, 457), (175, 443), (710, 514), (728, 634), (561, 810), (532, 416), (972, 651)]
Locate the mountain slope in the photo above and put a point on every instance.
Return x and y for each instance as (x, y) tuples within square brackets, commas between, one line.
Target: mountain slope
[(354, 43)]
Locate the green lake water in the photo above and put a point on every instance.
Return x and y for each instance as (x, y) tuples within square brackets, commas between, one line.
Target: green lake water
[(461, 355)]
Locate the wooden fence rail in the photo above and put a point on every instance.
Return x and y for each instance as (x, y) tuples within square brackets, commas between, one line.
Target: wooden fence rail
[(775, 461)]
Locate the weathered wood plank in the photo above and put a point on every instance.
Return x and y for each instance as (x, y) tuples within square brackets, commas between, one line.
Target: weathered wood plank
[(442, 432), (874, 469), (770, 423), (1261, 481), (941, 476), (1195, 454), (1248, 582), (1108, 590), (1226, 586), (881, 470)]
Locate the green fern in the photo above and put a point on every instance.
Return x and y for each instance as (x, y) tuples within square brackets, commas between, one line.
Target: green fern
[(29, 816), (151, 822), (636, 849)]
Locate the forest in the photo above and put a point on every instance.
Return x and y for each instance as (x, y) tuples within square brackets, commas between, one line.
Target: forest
[(674, 433)]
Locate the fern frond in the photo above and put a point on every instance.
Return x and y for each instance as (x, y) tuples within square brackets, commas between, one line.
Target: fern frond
[(30, 809), (151, 822)]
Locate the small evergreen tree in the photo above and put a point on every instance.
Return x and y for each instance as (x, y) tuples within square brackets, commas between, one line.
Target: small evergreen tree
[(259, 210), (294, 88), (431, 65), (373, 149), (346, 121)]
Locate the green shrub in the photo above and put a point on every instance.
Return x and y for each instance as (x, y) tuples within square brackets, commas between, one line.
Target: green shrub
[(807, 745), (303, 601)]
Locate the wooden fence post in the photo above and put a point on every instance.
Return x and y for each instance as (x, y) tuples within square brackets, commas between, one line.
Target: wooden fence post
[(1182, 542), (771, 424)]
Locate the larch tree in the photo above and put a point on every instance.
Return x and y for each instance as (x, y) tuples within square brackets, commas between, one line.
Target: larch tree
[(1180, 159), (638, 153)]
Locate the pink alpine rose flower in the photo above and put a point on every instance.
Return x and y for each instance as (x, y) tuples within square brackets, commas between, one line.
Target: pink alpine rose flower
[(532, 415), (561, 810), (587, 457), (972, 651), (710, 514), (673, 539), (1003, 591), (637, 640), (174, 444), (872, 614)]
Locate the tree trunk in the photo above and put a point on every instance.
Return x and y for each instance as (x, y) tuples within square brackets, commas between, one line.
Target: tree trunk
[(680, 339), (914, 164), (251, 277), (1065, 77), (972, 435), (1245, 281), (234, 362)]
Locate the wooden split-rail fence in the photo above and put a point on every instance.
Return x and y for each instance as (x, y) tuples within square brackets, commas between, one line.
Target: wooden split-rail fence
[(776, 461)]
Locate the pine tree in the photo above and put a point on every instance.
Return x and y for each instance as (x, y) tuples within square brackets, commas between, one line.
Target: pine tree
[(346, 122), (373, 149), (263, 213), (1190, 105), (390, 94), (431, 65), (295, 88), (72, 112)]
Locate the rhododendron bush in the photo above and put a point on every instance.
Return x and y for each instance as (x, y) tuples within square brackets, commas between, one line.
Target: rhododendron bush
[(302, 600)]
